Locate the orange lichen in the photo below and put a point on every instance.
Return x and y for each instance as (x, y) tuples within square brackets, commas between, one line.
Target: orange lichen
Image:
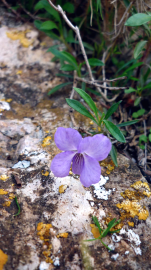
[(133, 208), (44, 234), (3, 259), (95, 231), (7, 203), (4, 177), (3, 192), (43, 230), (46, 141), (45, 174), (21, 36), (9, 100), (131, 194), (11, 196), (139, 184), (109, 165), (130, 206), (19, 72), (62, 188), (63, 235), (130, 223)]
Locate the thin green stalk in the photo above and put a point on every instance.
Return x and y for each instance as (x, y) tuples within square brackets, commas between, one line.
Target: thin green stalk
[(17, 206)]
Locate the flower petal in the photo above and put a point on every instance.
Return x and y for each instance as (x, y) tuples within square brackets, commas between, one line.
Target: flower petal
[(91, 171), (78, 163), (98, 146), (67, 139), (60, 165)]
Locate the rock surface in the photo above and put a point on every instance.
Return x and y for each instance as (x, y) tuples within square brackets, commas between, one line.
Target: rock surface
[(49, 231)]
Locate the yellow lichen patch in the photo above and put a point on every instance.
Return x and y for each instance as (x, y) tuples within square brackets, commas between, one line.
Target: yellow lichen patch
[(95, 231), (130, 223), (143, 215), (3, 192), (109, 165), (116, 227), (46, 141), (45, 174), (19, 72), (139, 184), (62, 188), (21, 36), (11, 196), (133, 208), (3, 259), (63, 235), (132, 195), (7, 203), (4, 177), (9, 100)]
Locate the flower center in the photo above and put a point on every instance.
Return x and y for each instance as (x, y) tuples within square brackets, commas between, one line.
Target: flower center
[(77, 163)]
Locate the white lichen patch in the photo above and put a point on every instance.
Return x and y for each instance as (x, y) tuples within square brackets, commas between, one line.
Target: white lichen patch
[(133, 238), (74, 209), (116, 238), (115, 256), (44, 266), (30, 190), (4, 106), (56, 261), (100, 191)]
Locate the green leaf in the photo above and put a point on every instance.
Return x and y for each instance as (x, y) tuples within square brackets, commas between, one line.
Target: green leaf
[(64, 56), (44, 4), (69, 7), (139, 47), (48, 25), (67, 68), (39, 5), (87, 99), (112, 109), (77, 106), (64, 75), (114, 130), (109, 226), (133, 67), (147, 86), (37, 24), (149, 137), (99, 6), (138, 113), (130, 90), (93, 91), (142, 138), (125, 65), (113, 154), (134, 79), (70, 58), (56, 88), (137, 101), (127, 123), (138, 19), (95, 62), (85, 44), (97, 224)]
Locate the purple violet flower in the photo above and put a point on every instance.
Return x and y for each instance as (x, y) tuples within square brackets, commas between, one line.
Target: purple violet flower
[(84, 155)]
